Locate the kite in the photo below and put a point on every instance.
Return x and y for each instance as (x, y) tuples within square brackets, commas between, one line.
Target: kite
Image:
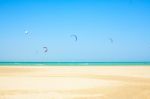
[(74, 37), (45, 49)]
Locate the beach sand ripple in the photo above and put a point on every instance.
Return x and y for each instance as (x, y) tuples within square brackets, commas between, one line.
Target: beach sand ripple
[(112, 82)]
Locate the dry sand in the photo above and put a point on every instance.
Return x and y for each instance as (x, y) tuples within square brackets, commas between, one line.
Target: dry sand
[(70, 82)]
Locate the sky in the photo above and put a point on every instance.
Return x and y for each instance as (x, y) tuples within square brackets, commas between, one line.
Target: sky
[(106, 30)]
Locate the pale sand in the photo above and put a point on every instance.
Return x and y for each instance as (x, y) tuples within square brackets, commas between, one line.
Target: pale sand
[(70, 82)]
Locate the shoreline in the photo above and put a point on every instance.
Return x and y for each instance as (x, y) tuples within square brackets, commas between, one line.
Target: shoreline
[(75, 63)]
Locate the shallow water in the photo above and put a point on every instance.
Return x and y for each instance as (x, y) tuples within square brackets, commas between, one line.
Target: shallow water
[(73, 63)]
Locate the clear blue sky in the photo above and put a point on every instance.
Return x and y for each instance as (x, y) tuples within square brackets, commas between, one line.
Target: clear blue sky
[(51, 22)]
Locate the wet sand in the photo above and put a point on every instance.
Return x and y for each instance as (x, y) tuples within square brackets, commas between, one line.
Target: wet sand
[(70, 82)]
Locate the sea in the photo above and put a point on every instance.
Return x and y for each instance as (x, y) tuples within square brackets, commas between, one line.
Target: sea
[(74, 63)]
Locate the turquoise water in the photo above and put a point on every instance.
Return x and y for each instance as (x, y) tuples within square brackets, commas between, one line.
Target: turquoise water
[(73, 63)]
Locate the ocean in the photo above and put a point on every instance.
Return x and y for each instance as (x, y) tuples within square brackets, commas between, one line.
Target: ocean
[(74, 63)]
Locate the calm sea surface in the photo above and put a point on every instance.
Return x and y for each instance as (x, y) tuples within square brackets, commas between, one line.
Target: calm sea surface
[(74, 63)]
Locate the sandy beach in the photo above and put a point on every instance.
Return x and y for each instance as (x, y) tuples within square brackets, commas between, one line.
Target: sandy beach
[(70, 82)]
